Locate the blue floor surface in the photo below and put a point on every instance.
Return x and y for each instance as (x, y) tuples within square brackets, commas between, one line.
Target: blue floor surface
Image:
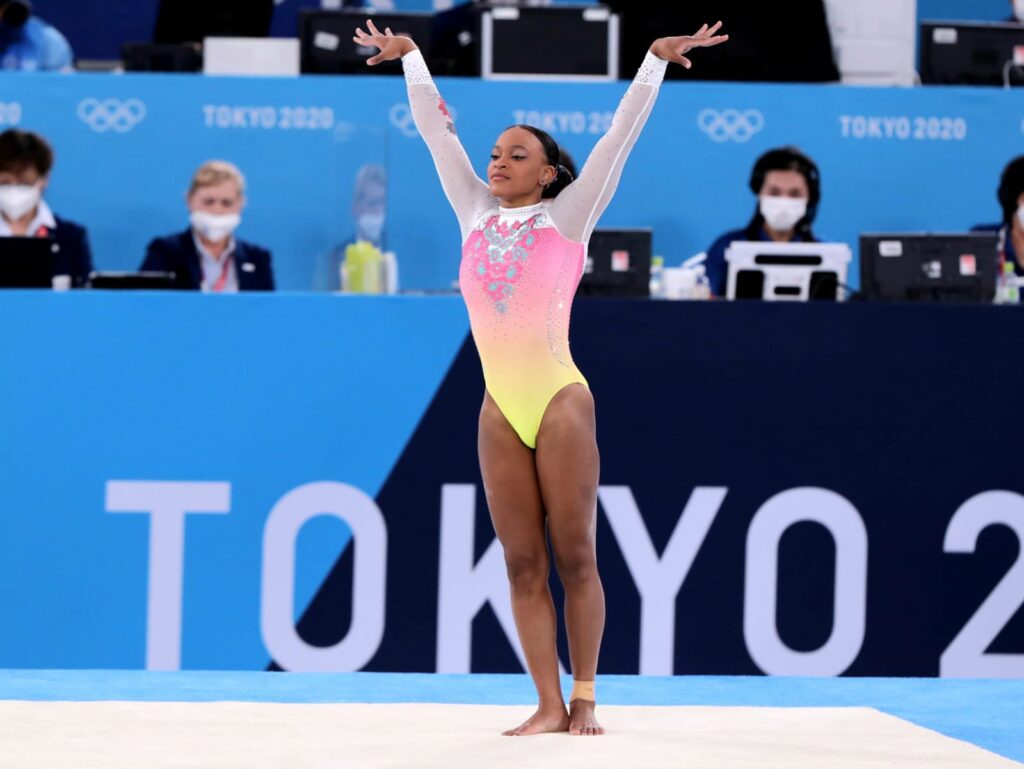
[(989, 714)]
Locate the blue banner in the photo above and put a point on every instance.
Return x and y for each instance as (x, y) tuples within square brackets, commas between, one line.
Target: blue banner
[(240, 482), (891, 159)]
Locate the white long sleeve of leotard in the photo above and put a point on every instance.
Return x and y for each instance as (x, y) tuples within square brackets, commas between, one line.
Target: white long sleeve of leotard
[(575, 211), (468, 194)]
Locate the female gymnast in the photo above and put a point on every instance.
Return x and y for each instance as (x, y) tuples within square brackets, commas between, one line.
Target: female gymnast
[(524, 243)]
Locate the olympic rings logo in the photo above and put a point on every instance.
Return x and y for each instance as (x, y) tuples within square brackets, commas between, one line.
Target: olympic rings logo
[(730, 124), (111, 114), (401, 118)]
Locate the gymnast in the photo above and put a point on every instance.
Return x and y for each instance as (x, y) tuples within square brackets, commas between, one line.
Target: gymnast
[(524, 244)]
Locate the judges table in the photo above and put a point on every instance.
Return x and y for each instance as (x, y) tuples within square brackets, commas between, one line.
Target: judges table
[(813, 488)]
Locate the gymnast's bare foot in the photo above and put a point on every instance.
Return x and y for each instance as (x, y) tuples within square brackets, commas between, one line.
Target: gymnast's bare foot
[(547, 719), (582, 721)]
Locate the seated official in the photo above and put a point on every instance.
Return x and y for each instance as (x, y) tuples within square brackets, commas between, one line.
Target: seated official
[(1011, 229), (207, 256), (788, 188), (29, 44), (26, 160)]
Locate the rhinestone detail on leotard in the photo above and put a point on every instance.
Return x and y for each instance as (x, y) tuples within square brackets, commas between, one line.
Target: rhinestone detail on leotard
[(499, 260)]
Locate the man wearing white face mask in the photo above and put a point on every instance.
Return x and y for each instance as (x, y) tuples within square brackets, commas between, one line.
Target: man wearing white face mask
[(788, 188), (207, 256), (1011, 229), (26, 160)]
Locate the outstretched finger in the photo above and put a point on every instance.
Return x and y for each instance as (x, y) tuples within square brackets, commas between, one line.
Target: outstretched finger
[(678, 59), (715, 28), (372, 26), (388, 32), (702, 30), (377, 59), (713, 41)]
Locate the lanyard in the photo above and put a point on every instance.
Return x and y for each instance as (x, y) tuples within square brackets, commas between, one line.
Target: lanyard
[(218, 286)]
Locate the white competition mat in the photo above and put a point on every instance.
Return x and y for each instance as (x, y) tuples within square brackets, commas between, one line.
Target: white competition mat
[(216, 735)]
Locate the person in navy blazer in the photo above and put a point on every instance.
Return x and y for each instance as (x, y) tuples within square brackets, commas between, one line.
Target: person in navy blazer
[(207, 256), (26, 160)]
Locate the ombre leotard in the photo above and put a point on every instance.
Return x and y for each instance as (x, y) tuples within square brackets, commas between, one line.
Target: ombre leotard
[(521, 266)]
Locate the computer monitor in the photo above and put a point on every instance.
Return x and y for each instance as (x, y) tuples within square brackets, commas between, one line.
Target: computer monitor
[(191, 21), (798, 272), (327, 46), (618, 263), (961, 53), (929, 267), (515, 41), (26, 263), (162, 57)]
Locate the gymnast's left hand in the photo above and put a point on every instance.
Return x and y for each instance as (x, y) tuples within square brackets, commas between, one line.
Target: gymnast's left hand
[(673, 48)]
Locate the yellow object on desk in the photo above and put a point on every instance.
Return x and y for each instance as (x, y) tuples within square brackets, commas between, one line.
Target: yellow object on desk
[(362, 271)]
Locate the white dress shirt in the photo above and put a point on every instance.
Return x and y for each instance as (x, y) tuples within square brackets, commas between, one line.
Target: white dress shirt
[(213, 268)]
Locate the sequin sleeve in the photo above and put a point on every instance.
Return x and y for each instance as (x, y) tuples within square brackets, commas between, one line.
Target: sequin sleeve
[(466, 192), (577, 208)]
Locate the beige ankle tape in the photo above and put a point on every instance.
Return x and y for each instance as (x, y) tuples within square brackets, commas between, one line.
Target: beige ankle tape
[(582, 690)]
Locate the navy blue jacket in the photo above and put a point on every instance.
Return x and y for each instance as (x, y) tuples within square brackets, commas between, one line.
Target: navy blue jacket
[(72, 255), (178, 254)]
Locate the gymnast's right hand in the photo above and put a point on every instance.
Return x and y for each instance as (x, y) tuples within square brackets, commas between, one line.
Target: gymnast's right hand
[(391, 46)]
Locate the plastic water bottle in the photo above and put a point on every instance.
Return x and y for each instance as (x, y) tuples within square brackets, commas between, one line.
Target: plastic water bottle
[(1008, 289), (657, 284), (702, 288)]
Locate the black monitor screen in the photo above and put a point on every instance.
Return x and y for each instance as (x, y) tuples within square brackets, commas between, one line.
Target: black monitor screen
[(190, 21), (929, 267), (26, 262), (971, 54), (618, 263)]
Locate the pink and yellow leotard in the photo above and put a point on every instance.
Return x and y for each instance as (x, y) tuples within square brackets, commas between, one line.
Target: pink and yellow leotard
[(521, 266)]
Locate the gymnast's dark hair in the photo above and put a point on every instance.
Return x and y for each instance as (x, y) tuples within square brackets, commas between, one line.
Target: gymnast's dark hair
[(1011, 187), (786, 159), (563, 176)]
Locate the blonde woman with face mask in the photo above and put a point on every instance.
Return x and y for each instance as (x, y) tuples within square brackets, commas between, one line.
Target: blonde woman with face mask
[(26, 160), (788, 189), (207, 256)]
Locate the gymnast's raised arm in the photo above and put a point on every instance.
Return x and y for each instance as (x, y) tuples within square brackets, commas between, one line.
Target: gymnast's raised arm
[(577, 208), (466, 192)]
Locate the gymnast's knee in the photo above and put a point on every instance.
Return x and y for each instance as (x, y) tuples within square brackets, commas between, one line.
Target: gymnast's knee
[(577, 566), (527, 569)]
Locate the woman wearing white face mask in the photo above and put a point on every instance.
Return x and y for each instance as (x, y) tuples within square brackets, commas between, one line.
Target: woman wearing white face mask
[(788, 189), (26, 160), (1011, 228), (207, 256)]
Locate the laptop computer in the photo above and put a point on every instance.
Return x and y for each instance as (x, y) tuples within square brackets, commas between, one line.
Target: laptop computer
[(26, 262), (787, 271), (133, 280)]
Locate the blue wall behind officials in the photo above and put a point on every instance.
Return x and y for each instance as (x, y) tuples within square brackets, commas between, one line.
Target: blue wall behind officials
[(891, 159)]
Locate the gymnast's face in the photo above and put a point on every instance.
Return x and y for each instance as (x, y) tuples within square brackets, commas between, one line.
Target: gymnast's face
[(519, 167)]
